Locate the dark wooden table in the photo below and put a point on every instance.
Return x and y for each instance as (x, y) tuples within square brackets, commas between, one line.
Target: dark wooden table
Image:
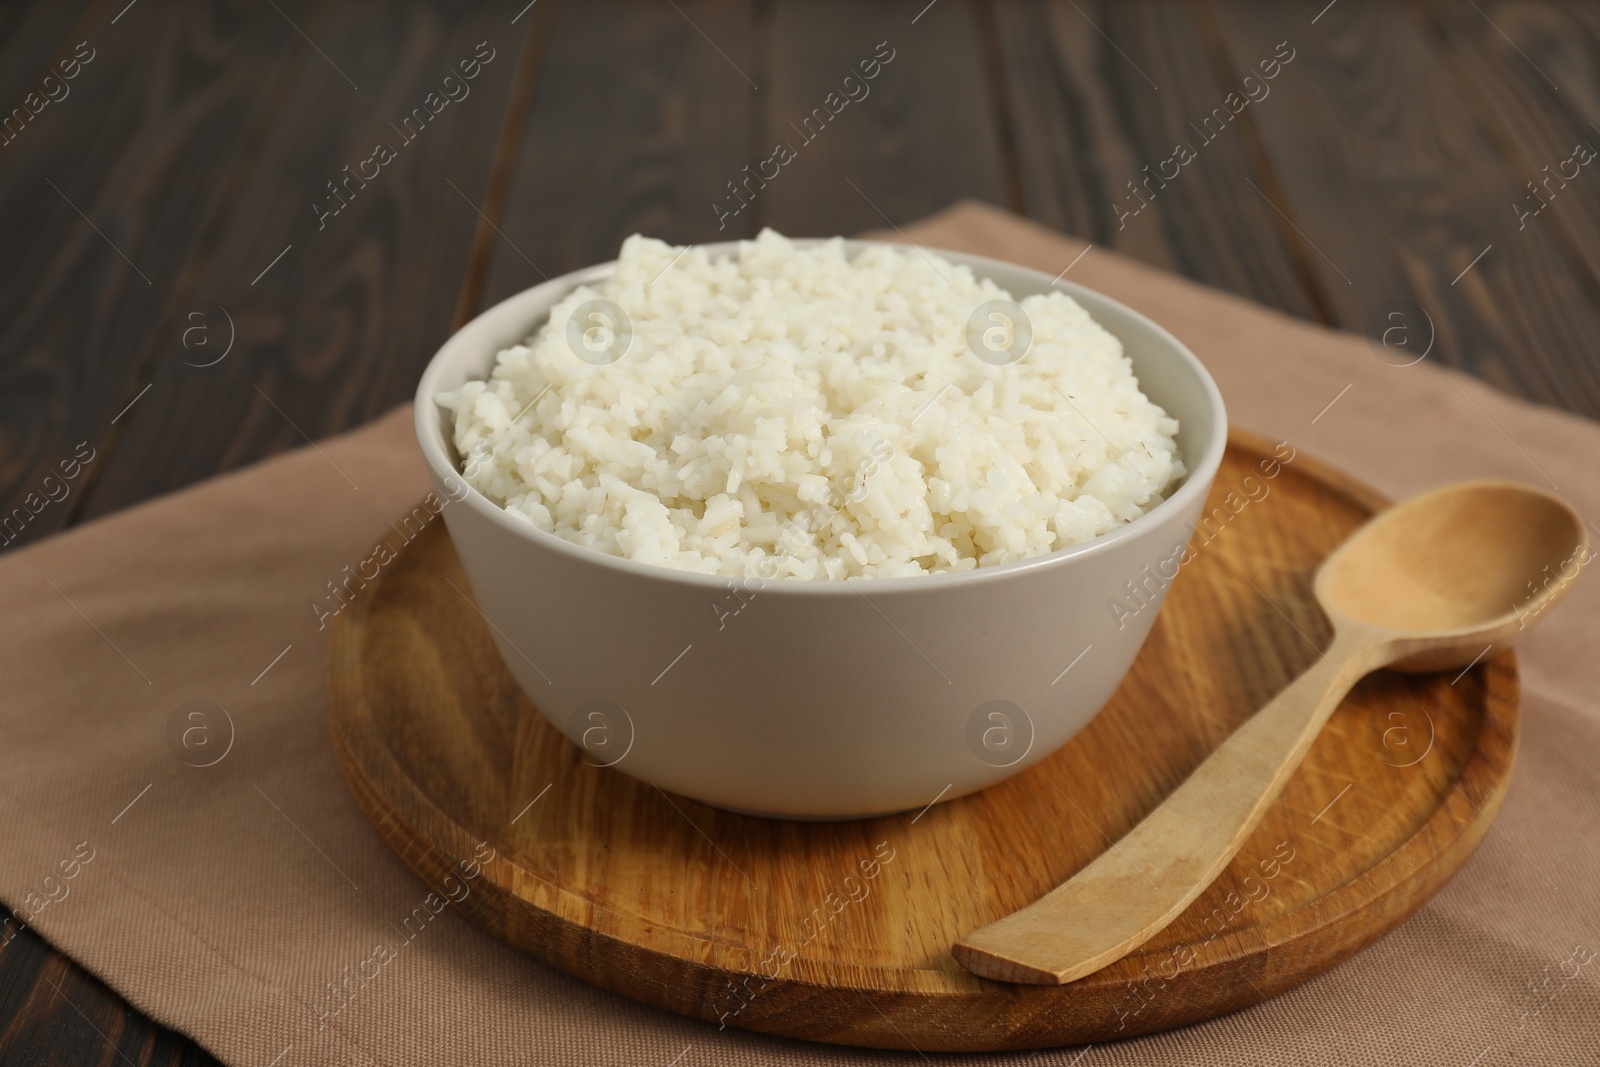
[(178, 191)]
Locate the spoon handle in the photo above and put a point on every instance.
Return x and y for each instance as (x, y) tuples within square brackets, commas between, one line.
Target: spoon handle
[(1144, 881)]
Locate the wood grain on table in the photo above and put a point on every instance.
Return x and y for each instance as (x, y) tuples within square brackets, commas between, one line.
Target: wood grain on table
[(166, 203)]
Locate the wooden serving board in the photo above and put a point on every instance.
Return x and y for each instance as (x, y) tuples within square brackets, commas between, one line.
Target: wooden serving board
[(841, 932)]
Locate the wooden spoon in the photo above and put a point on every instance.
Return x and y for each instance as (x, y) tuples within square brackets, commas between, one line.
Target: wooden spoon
[(1435, 583)]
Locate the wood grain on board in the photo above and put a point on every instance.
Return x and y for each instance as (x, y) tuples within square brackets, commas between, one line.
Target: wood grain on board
[(793, 928)]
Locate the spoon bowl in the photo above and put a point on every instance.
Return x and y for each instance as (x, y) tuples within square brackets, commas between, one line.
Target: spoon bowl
[(1435, 583), (1456, 573)]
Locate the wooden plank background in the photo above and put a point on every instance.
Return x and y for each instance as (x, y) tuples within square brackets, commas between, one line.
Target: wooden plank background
[(166, 203)]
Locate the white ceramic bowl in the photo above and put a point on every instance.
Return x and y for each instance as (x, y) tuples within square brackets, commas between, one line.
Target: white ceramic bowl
[(819, 699)]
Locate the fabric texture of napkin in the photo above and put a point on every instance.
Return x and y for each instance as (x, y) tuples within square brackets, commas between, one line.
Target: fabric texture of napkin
[(229, 900)]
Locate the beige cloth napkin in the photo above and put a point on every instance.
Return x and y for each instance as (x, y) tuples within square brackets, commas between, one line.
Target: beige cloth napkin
[(229, 900)]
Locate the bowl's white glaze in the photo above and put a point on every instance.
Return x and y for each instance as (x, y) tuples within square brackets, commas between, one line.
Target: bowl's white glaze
[(819, 699)]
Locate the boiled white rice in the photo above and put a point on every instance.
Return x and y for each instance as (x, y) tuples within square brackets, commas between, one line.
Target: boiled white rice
[(795, 412)]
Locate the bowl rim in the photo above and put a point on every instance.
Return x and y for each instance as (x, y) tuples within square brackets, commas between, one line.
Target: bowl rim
[(436, 450)]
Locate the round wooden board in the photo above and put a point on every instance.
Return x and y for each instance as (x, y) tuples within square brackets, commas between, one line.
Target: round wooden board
[(841, 932)]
